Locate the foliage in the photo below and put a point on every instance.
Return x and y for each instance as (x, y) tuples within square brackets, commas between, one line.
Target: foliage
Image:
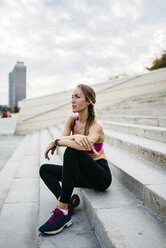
[(16, 109), (158, 62)]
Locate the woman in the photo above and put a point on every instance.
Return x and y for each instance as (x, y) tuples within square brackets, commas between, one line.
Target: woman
[(84, 163)]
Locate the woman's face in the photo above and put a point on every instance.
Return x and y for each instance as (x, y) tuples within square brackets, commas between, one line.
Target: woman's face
[(78, 101)]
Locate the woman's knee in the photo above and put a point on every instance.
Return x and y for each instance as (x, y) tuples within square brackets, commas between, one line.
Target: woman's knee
[(42, 169), (70, 152), (106, 184)]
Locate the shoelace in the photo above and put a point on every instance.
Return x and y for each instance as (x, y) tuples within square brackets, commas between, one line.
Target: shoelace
[(56, 213)]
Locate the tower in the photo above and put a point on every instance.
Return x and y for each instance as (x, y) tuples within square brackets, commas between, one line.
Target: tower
[(17, 84)]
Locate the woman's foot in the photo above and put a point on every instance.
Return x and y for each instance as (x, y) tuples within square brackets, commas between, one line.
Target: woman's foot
[(74, 202), (57, 222)]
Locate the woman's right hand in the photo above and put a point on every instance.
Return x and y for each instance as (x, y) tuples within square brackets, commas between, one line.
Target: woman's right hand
[(51, 148), (83, 141)]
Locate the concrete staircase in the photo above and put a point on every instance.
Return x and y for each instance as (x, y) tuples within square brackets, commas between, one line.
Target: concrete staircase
[(26, 202), (50, 110), (131, 213)]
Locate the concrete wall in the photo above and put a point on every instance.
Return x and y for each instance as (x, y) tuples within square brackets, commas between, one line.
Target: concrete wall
[(7, 126)]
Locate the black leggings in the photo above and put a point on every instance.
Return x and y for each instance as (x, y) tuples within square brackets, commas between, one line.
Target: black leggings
[(78, 170)]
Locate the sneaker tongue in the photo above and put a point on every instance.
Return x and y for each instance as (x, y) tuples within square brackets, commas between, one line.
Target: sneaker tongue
[(57, 212)]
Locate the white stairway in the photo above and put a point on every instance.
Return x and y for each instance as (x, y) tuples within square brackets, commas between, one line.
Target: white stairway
[(131, 213)]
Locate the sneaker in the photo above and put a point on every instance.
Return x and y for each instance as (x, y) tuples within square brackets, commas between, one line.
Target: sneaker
[(74, 202), (57, 222)]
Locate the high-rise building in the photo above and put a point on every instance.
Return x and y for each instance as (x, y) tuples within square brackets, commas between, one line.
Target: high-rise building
[(17, 84)]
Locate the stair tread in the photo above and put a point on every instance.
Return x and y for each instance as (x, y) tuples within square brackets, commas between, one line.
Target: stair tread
[(163, 129), (77, 234), (156, 146), (137, 116), (121, 220), (22, 200), (118, 202), (138, 169)]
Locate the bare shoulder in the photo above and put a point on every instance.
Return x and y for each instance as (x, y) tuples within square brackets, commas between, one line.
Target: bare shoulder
[(70, 120), (68, 125), (97, 125)]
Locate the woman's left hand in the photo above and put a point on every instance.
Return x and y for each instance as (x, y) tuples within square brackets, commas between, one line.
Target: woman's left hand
[(51, 148)]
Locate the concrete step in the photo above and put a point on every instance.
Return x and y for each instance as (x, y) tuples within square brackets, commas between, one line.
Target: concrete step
[(120, 220), (153, 151), (8, 125), (8, 144), (154, 133), (9, 171), (45, 139), (17, 227), (55, 132), (139, 105), (142, 112), (132, 172), (80, 234), (146, 99), (137, 119)]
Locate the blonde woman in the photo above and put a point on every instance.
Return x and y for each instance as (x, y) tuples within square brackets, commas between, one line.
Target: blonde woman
[(84, 162)]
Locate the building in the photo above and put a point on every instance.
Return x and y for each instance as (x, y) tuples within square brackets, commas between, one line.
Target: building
[(17, 84)]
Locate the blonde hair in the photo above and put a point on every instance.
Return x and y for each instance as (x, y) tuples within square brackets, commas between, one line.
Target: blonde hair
[(90, 97)]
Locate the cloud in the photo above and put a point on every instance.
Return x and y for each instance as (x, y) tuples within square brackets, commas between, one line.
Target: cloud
[(64, 43)]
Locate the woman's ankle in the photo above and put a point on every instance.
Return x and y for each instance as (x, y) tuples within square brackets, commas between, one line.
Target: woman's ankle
[(62, 205)]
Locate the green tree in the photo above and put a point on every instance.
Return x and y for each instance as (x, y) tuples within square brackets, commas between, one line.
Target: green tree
[(158, 62), (16, 109)]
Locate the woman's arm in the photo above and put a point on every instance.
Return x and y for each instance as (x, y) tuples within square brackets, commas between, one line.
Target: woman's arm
[(62, 142), (78, 142), (82, 140)]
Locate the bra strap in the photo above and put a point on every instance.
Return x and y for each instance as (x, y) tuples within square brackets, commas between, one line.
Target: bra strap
[(74, 123)]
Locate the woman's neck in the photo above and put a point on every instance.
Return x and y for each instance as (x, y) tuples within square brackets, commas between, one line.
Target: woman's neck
[(83, 115)]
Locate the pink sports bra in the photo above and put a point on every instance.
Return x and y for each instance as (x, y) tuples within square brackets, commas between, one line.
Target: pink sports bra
[(97, 146)]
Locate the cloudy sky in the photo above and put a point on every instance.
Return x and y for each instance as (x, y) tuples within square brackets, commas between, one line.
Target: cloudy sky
[(66, 42)]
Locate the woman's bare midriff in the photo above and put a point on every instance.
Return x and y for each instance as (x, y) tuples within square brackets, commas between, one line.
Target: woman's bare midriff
[(100, 156)]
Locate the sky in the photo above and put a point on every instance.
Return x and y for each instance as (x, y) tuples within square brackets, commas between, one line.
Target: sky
[(67, 42)]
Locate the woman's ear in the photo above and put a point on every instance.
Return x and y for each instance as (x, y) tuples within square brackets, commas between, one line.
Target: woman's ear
[(88, 101)]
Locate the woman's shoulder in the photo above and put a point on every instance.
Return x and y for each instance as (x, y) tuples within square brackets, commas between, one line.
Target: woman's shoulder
[(71, 119), (98, 125)]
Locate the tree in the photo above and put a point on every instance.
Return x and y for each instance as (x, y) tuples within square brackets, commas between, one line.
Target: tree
[(16, 109), (158, 62)]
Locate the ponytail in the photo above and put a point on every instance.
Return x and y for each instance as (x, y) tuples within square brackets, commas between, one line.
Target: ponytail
[(90, 96)]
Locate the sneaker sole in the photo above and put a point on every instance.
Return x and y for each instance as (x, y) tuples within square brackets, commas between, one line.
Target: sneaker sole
[(60, 229)]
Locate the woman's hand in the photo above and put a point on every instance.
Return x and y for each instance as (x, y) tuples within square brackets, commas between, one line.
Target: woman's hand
[(83, 141), (51, 148)]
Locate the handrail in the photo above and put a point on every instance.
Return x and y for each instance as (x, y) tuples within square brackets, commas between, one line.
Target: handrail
[(98, 91)]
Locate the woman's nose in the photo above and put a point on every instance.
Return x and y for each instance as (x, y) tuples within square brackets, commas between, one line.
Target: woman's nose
[(72, 100)]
